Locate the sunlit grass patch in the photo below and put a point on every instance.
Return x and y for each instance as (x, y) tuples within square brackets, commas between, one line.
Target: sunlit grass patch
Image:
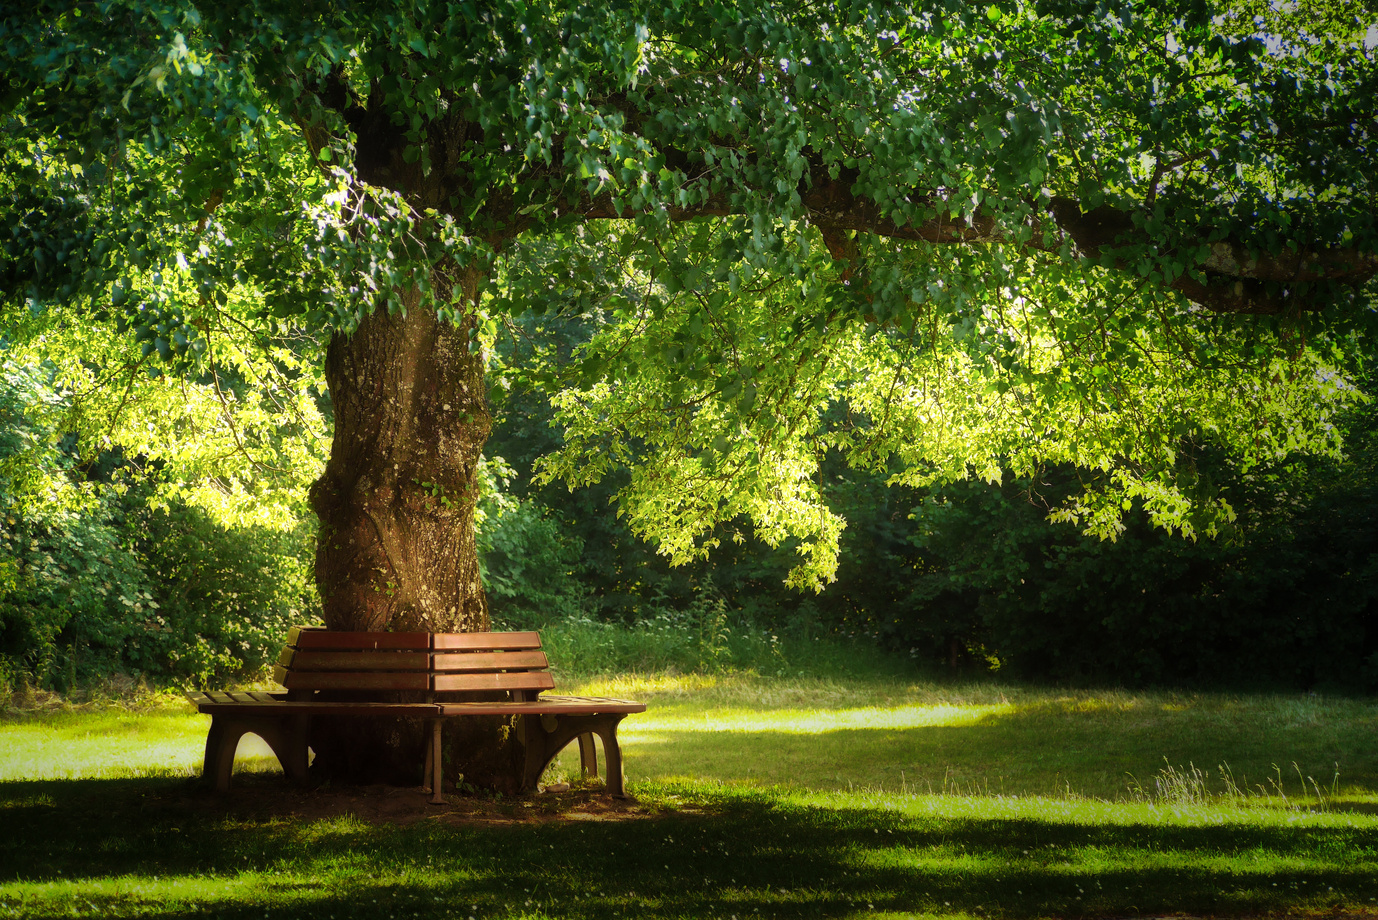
[(819, 721), (975, 738), (106, 745), (988, 738), (113, 743)]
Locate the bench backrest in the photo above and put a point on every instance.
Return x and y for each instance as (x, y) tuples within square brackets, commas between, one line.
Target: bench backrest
[(320, 659)]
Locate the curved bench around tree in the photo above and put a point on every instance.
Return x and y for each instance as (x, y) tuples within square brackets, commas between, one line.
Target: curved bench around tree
[(441, 669)]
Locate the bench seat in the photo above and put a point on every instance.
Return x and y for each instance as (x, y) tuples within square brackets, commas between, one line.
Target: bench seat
[(442, 669)]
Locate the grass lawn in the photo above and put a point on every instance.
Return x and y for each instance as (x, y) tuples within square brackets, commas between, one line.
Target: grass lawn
[(755, 798)]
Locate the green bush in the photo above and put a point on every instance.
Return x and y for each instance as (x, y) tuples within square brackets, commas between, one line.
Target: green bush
[(167, 595), (531, 569), (1290, 600), (78, 597), (71, 588), (94, 582), (704, 638), (226, 596)]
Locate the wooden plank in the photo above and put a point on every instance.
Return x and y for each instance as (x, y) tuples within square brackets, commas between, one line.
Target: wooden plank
[(558, 705), (288, 708), (593, 703), (294, 633), (241, 697), (356, 680), (331, 639), (516, 680), (286, 655), (490, 661), (361, 660), (486, 641), (280, 674)]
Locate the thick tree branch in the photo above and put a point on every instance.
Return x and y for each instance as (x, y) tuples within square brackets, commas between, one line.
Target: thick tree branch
[(1233, 278), (1236, 280), (1230, 278)]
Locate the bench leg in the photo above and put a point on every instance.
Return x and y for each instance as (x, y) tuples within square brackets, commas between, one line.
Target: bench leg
[(293, 747), (435, 772), (588, 754), (547, 736), (220, 747), (287, 736), (612, 754)]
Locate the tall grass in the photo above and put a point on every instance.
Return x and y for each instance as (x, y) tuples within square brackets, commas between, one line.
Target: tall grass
[(707, 638), (1190, 785)]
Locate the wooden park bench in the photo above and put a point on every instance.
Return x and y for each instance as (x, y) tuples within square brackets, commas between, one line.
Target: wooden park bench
[(439, 669)]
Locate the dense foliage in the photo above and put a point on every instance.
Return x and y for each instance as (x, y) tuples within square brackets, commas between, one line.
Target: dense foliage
[(100, 576), (975, 576), (970, 575), (1118, 250), (941, 240)]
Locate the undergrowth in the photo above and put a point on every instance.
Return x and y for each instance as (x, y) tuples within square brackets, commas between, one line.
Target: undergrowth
[(707, 639)]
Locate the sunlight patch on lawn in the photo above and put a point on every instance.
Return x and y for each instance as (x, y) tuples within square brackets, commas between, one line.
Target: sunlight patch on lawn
[(815, 721), (154, 895), (1088, 813), (115, 745)]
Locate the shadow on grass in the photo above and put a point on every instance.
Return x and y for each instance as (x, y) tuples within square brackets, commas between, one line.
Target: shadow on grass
[(167, 848)]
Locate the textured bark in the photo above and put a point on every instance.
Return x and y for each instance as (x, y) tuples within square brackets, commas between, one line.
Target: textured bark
[(397, 547), (396, 501)]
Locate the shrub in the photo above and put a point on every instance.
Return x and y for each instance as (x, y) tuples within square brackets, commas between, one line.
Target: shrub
[(225, 596), (93, 582)]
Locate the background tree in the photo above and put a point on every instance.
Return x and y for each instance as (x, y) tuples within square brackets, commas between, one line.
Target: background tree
[(958, 238)]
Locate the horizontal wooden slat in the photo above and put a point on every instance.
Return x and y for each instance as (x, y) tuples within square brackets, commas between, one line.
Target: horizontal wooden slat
[(486, 641), (312, 708), (360, 661), (517, 680), (355, 680), (547, 705), (286, 655), (490, 661), (331, 639), (444, 662), (221, 702)]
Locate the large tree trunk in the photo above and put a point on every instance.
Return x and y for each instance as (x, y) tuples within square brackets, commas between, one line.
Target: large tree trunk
[(397, 547), (397, 499)]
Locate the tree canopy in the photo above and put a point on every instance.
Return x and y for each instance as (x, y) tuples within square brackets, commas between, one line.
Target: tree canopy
[(938, 239)]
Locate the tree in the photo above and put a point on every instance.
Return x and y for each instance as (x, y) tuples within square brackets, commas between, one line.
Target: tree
[(953, 236)]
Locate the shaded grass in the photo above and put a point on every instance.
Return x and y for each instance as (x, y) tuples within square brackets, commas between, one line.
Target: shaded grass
[(758, 798), (151, 847)]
